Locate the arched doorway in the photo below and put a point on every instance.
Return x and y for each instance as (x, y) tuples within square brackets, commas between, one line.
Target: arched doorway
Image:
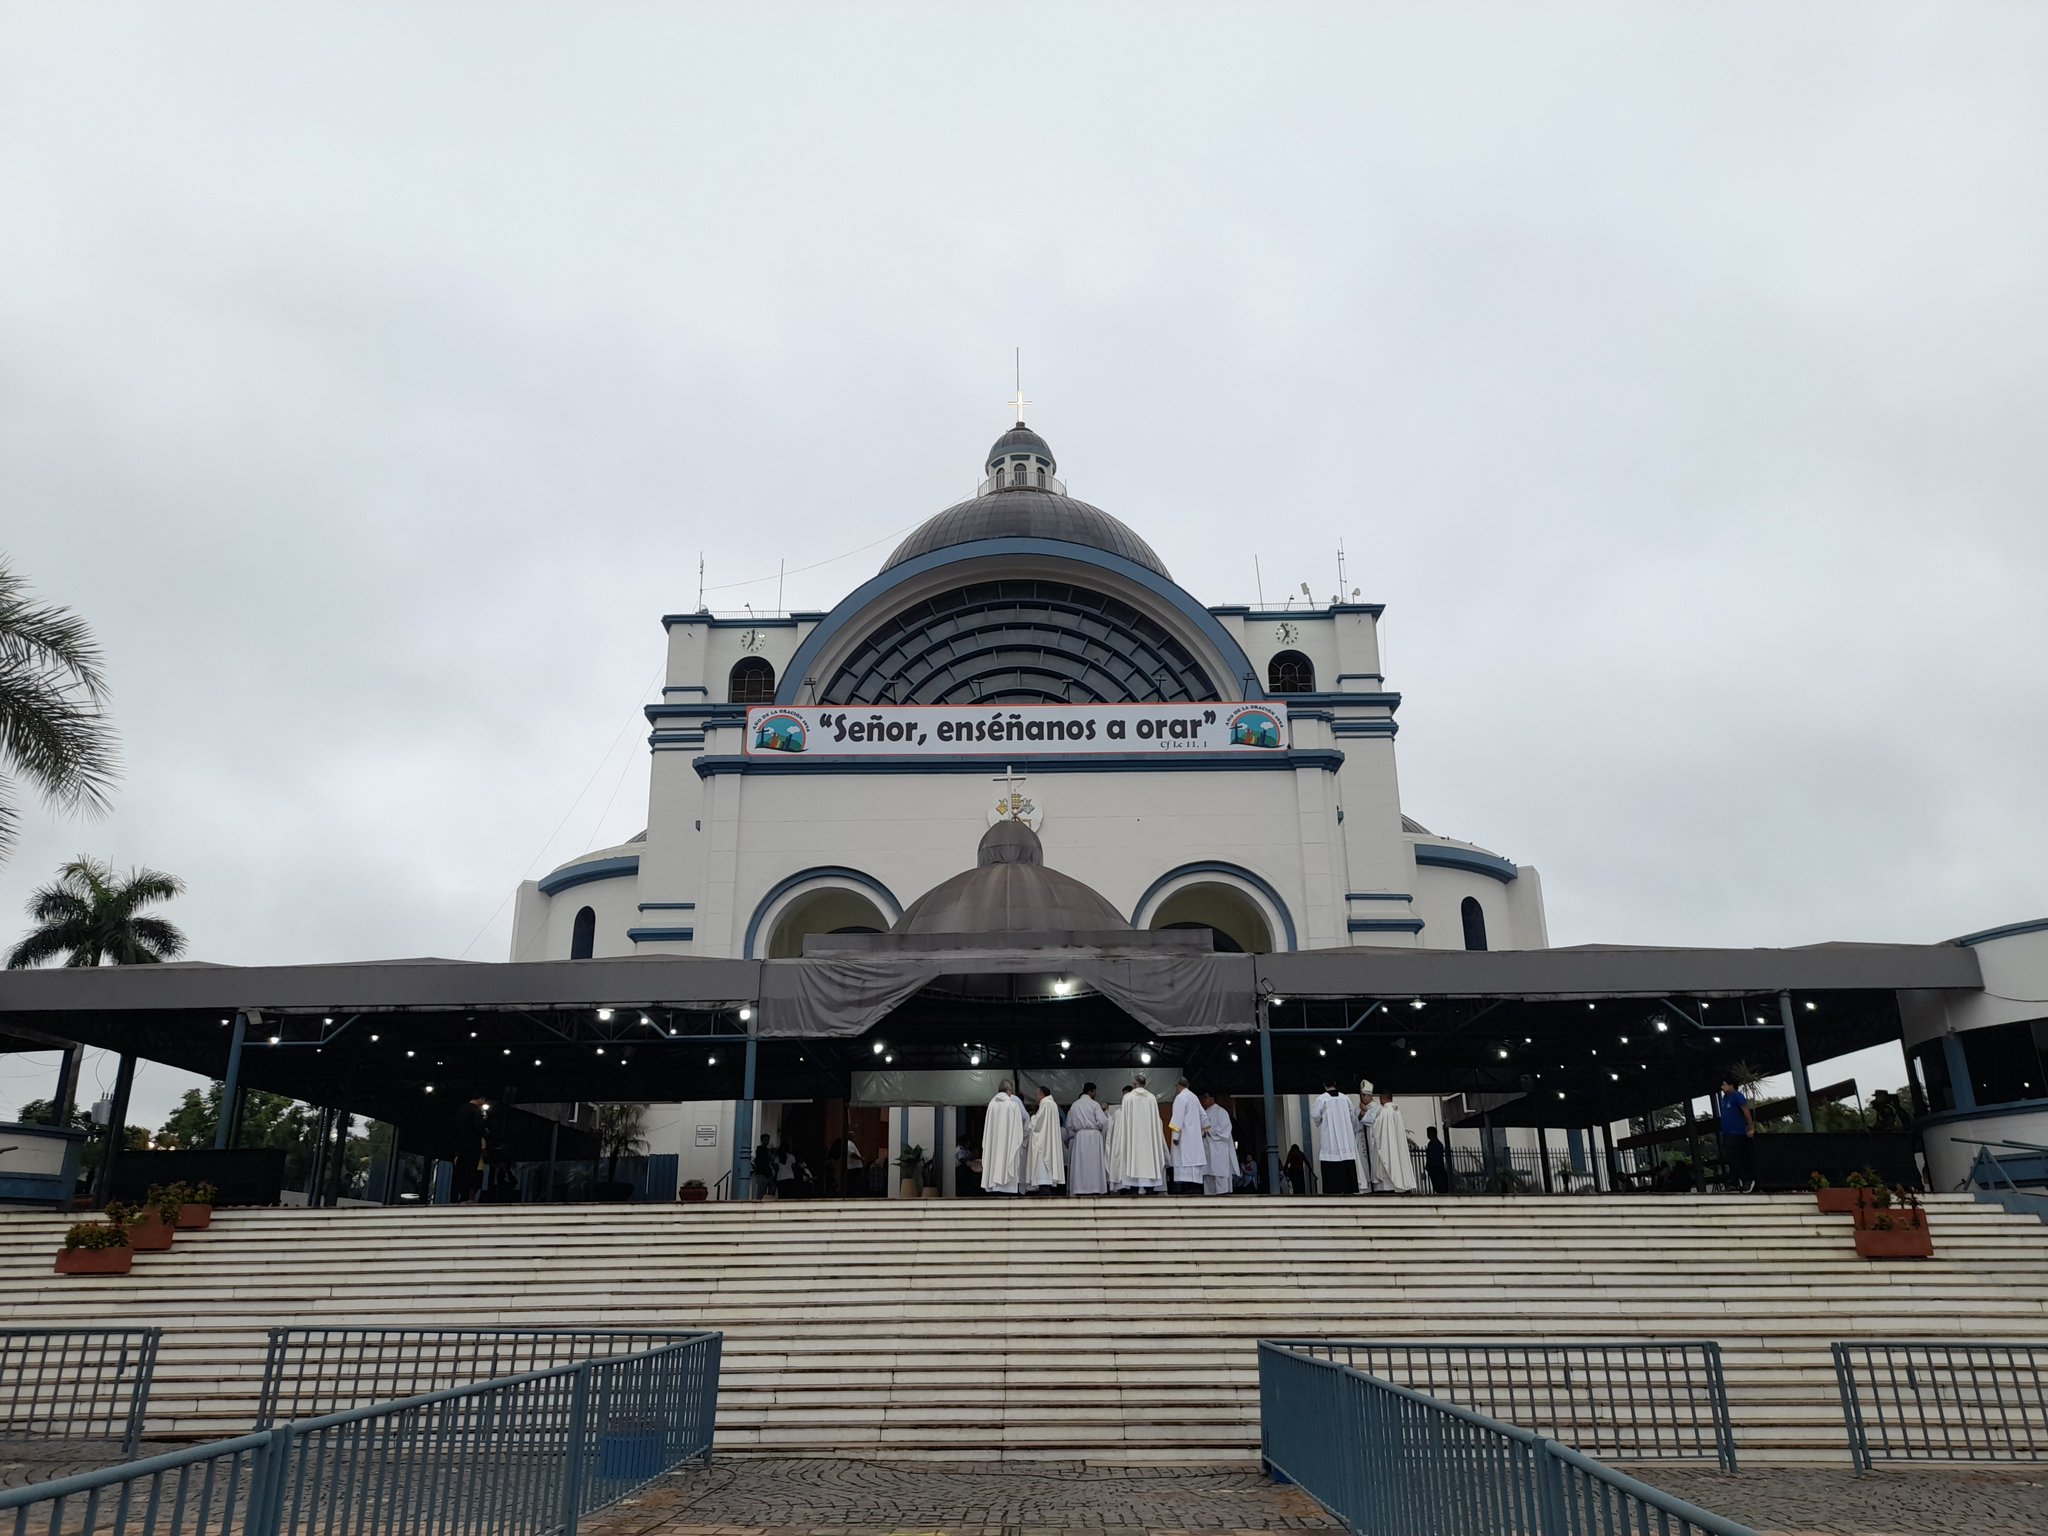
[(827, 909), (1238, 922)]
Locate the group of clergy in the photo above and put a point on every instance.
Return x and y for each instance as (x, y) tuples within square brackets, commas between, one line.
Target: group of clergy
[(1361, 1143), (1099, 1150)]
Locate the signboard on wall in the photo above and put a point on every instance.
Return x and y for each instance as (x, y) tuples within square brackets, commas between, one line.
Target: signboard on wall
[(707, 1135), (1024, 730)]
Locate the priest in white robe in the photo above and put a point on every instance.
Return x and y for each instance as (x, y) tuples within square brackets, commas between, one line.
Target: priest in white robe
[(1393, 1170), (1187, 1131), (1368, 1111), (1002, 1144), (1087, 1145), (1335, 1118), (1221, 1175), (1138, 1164), (1045, 1153)]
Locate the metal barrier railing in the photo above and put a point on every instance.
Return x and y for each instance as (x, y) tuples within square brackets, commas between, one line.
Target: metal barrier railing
[(1389, 1461), (1644, 1400), (77, 1383), (1932, 1400), (309, 1371), (526, 1455)]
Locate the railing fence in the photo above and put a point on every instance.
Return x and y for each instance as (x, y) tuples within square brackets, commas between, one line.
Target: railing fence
[(1389, 1461), (312, 1371), (77, 1383), (1643, 1400), (1931, 1400), (524, 1455)]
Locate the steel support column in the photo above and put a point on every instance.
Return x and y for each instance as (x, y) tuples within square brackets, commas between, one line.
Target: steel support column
[(1272, 1101), (64, 1097), (743, 1124), (117, 1126), (1797, 1065), (229, 1121)]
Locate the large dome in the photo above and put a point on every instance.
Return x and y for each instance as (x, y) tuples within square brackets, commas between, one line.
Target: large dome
[(1022, 498), (1010, 890), (1027, 514)]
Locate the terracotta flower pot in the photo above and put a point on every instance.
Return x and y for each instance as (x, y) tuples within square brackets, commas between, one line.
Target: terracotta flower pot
[(1901, 1242), (95, 1261), (1839, 1202), (913, 1189), (150, 1235), (690, 1196), (194, 1218)]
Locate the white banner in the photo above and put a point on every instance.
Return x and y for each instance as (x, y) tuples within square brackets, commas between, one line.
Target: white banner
[(1033, 730)]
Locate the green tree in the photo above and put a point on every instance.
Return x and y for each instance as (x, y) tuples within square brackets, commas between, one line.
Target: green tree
[(621, 1132), (90, 915), (43, 1112), (54, 731), (268, 1120)]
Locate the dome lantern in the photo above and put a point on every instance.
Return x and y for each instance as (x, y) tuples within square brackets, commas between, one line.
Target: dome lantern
[(1021, 460)]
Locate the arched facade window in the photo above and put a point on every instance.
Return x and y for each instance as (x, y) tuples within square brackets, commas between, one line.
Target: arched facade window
[(583, 938), (752, 682), (1475, 922), (1290, 672)]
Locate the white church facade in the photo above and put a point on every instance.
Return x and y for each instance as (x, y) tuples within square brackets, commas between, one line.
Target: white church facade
[(999, 624)]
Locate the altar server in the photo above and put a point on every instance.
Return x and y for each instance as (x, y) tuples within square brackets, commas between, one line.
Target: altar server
[(1221, 1177), (1336, 1130), (1045, 1154), (1138, 1165), (1087, 1145), (1188, 1133), (1002, 1143)]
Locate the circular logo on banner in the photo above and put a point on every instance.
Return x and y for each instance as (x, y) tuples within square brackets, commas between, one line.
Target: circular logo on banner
[(1254, 726), (779, 732)]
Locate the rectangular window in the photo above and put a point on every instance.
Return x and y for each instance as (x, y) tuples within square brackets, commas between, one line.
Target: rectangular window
[(2004, 1065)]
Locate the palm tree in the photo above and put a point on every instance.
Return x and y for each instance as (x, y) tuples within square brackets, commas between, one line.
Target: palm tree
[(53, 725), (90, 915)]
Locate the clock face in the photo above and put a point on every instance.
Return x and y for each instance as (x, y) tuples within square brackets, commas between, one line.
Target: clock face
[(1287, 634), (752, 639)]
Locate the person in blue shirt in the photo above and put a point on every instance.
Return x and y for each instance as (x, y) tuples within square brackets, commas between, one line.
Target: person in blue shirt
[(1738, 1128)]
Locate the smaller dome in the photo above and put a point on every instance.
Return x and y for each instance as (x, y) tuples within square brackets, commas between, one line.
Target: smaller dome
[(1010, 890), (1020, 439)]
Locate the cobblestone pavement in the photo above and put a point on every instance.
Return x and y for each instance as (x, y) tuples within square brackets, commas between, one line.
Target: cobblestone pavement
[(749, 1496), (26, 1460), (819, 1497), (1821, 1501)]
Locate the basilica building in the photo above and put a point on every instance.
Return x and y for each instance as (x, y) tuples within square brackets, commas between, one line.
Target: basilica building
[(1025, 655)]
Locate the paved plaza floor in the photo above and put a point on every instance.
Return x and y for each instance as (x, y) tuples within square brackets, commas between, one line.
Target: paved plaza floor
[(817, 1497)]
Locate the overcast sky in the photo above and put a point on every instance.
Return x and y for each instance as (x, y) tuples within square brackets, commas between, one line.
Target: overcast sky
[(372, 376)]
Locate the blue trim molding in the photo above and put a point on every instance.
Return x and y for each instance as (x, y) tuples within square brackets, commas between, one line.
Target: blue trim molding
[(2009, 931), (1245, 611), (788, 620), (1386, 701), (1365, 728), (592, 869), (660, 935), (1983, 1112), (1361, 677), (891, 907), (1252, 878), (704, 712), (1470, 860), (668, 906), (862, 601), (687, 688), (1378, 896), (1136, 762), (1383, 925)]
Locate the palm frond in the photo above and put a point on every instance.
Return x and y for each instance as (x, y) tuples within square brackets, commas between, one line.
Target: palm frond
[(41, 945), (153, 940), (60, 743), (47, 637)]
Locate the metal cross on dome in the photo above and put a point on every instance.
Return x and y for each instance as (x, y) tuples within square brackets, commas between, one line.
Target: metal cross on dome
[(1017, 405), (1010, 805)]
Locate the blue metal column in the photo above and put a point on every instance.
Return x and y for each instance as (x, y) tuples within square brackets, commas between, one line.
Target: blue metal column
[(117, 1125), (229, 1120), (64, 1097), (1272, 1100), (1798, 1067), (1960, 1088), (743, 1126)]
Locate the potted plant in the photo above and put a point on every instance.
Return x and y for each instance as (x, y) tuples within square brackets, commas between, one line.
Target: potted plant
[(97, 1247), (154, 1222), (693, 1192), (621, 1132), (934, 1179), (195, 1213), (1835, 1201), (1883, 1232), (911, 1166)]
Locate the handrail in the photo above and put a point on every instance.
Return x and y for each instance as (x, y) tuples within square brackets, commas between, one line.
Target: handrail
[(1943, 1400), (1388, 1461), (68, 1383)]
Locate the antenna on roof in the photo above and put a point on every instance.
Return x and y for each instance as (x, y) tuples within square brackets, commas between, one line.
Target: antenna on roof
[(700, 581), (1340, 565), (1259, 579)]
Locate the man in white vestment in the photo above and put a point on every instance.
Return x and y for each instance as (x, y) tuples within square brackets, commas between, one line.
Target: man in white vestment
[(1138, 1164), (1087, 1145), (1221, 1176), (1393, 1170), (1368, 1111), (1045, 1155), (1336, 1134), (1188, 1133), (1002, 1143)]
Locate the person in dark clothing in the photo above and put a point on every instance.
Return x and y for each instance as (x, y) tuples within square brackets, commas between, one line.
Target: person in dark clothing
[(472, 1134), (1738, 1132), (1436, 1162), (1298, 1177)]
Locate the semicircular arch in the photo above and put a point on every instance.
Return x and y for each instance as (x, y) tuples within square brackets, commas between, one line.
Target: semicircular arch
[(800, 899), (1219, 895)]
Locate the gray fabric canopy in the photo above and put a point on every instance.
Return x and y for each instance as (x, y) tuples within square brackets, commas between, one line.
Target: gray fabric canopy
[(839, 995)]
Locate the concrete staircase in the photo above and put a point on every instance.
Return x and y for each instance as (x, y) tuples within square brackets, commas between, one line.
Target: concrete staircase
[(1059, 1328)]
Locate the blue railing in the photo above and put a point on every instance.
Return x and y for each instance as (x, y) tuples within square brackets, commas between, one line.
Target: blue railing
[(1389, 1461), (524, 1455), (309, 1371), (1932, 1400), (77, 1383), (1640, 1400)]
